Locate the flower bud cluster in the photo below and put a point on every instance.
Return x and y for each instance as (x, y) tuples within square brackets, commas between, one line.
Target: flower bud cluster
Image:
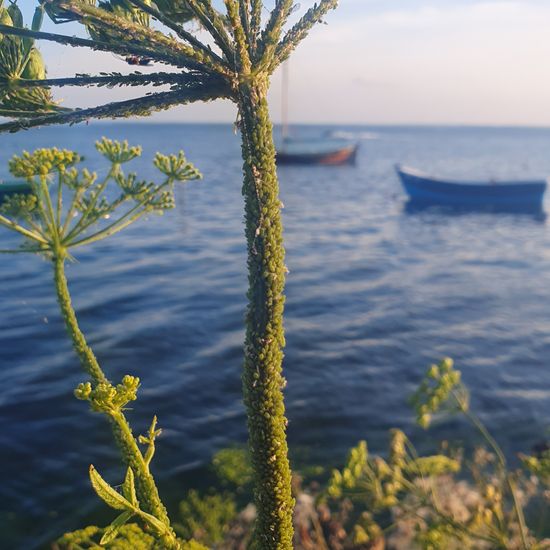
[(93, 205), (134, 188), (540, 466), (436, 465), (105, 397), (163, 201), (435, 390), (79, 180), (176, 167), (379, 483), (19, 206), (489, 512), (398, 451), (374, 480), (42, 162), (117, 152), (366, 530)]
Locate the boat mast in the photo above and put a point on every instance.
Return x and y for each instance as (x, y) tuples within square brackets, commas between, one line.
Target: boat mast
[(284, 101)]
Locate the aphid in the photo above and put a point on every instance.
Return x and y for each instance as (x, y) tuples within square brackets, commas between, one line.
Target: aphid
[(137, 60)]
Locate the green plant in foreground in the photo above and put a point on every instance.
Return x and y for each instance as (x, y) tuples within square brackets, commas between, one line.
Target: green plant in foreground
[(206, 517), (442, 385), (482, 509), (68, 208), (245, 45), (232, 467)]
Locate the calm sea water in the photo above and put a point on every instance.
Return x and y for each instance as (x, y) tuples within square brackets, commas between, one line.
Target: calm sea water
[(375, 293)]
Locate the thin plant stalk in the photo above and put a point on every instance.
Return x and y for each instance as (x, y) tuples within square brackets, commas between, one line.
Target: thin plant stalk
[(146, 487), (518, 509)]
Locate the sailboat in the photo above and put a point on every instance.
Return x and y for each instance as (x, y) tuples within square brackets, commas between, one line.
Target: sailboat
[(321, 150)]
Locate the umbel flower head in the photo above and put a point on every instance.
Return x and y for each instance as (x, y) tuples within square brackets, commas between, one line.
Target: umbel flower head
[(67, 207), (440, 384), (42, 162)]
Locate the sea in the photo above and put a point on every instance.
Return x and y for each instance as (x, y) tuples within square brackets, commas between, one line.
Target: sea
[(376, 292)]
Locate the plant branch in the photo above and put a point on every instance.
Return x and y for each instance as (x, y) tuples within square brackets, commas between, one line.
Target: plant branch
[(6, 222), (239, 36), (142, 106), (81, 224), (216, 61), (244, 14), (255, 22), (129, 218), (134, 33), (85, 354), (213, 23), (113, 79), (272, 32), (121, 47), (133, 457)]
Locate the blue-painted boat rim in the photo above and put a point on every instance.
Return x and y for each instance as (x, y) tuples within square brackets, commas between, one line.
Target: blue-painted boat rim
[(490, 184)]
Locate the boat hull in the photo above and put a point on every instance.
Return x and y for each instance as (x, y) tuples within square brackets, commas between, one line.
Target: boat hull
[(346, 155), (14, 187), (510, 196)]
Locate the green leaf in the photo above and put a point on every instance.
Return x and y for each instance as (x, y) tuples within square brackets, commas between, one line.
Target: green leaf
[(38, 18), (112, 531), (154, 522), (106, 493), (16, 15), (129, 488)]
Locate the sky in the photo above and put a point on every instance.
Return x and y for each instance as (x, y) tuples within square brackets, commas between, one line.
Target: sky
[(482, 62)]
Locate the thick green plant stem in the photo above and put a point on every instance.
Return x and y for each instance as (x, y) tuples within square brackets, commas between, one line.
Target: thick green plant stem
[(145, 484), (262, 378)]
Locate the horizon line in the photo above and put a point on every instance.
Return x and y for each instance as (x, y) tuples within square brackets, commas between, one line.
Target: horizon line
[(335, 124)]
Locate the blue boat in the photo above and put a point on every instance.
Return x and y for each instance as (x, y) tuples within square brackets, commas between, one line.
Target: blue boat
[(498, 195), (14, 187)]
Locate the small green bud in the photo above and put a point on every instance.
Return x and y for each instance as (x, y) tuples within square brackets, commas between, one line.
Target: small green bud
[(176, 167), (16, 15), (38, 18), (433, 373), (117, 152), (424, 421), (35, 69), (83, 391)]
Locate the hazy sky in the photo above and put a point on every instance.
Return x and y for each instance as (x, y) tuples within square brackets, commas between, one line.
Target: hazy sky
[(384, 61)]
